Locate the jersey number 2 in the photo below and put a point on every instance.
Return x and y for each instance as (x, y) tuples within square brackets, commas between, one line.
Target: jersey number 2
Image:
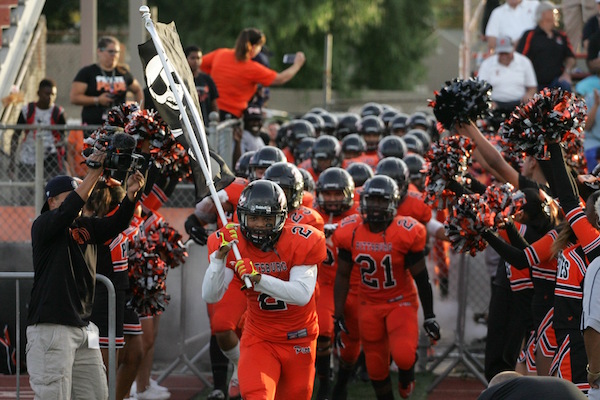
[(268, 303)]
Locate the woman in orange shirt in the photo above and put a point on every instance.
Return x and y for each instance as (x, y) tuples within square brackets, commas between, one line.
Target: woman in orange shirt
[(237, 76)]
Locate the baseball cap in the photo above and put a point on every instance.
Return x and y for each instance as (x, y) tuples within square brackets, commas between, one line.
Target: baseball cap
[(504, 45), (57, 185)]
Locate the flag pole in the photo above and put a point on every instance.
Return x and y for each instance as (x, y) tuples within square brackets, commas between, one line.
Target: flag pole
[(188, 131)]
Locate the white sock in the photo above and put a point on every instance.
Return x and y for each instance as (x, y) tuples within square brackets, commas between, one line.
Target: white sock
[(233, 355)]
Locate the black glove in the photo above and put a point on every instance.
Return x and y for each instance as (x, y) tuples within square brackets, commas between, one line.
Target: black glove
[(432, 328), (339, 326), (196, 231)]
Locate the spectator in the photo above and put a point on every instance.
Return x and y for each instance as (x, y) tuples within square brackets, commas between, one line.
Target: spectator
[(237, 76), (575, 14), (510, 19), (589, 88), (205, 86), (278, 343), (592, 26), (510, 385), (251, 138), (64, 261), (548, 49), (98, 87), (511, 75), (22, 149)]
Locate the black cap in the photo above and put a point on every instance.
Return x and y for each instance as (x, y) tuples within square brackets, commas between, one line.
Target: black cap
[(57, 185)]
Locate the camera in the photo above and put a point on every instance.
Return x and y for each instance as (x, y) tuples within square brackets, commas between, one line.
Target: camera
[(120, 157), (289, 58)]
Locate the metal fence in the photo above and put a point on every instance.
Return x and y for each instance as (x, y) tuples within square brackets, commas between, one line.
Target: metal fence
[(112, 358), (23, 175)]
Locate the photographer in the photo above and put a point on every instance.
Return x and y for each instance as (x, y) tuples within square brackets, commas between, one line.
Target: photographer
[(63, 356), (98, 87)]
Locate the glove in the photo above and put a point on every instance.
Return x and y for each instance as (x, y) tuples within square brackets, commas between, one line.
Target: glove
[(245, 267), (329, 229), (196, 231), (228, 235), (339, 326), (432, 328)]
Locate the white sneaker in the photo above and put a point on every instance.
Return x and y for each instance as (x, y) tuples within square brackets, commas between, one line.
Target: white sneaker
[(154, 384), (153, 394)]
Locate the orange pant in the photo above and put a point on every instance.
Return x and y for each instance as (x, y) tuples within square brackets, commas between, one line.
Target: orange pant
[(225, 315), (388, 328), (325, 310), (281, 371), (349, 354)]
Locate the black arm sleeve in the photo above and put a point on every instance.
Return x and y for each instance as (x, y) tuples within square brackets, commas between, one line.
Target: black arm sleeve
[(565, 186), (425, 293), (509, 253), (475, 185), (345, 255), (109, 227), (516, 239)]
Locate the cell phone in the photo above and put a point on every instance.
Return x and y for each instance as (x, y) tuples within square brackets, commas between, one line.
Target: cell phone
[(289, 58)]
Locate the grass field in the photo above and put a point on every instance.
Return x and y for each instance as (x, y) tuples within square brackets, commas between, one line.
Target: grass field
[(359, 390)]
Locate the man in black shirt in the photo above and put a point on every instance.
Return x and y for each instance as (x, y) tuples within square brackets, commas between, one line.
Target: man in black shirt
[(63, 355)]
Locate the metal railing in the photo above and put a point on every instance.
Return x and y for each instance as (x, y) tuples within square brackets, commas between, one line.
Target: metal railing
[(112, 324)]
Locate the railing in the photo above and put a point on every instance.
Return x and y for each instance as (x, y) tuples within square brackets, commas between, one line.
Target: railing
[(112, 324)]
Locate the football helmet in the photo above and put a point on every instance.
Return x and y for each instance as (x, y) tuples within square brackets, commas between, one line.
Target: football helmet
[(262, 198), (335, 180), (416, 165), (391, 146), (326, 147), (413, 144), (303, 150), (371, 125), (423, 136), (317, 110), (347, 124), (309, 182), (396, 169), (331, 123), (353, 144), (399, 124), (418, 120), (290, 179), (263, 159), (242, 166), (387, 116), (379, 200), (371, 108), (360, 172), (316, 121)]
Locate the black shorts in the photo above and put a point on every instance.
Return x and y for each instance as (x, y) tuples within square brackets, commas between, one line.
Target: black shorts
[(131, 321), (100, 316)]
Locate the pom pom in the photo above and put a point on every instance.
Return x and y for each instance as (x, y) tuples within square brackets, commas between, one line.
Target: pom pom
[(448, 160), (464, 224), (552, 115), (502, 201), (121, 115), (462, 101), (146, 124), (167, 243)]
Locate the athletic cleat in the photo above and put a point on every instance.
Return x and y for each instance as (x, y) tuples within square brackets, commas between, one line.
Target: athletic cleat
[(216, 394), (406, 390)]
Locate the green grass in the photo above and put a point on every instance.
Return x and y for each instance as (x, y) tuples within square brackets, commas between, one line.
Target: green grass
[(358, 390)]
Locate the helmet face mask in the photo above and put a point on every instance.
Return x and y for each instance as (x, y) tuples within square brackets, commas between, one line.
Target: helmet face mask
[(335, 191), (262, 211), (379, 201), (326, 152)]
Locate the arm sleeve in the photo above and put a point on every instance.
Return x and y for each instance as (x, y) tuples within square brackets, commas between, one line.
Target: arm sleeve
[(565, 186), (425, 293), (509, 253), (216, 280), (109, 227), (492, 28), (516, 239), (56, 221), (298, 290), (433, 225)]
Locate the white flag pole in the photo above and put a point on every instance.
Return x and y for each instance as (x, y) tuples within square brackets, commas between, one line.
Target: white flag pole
[(188, 131)]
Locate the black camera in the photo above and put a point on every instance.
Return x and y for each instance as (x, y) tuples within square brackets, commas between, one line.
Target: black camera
[(120, 157)]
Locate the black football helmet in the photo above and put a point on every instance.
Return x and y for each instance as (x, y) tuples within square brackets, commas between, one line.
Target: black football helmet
[(309, 182), (387, 116), (353, 145), (242, 166), (413, 144), (396, 169), (347, 124), (281, 138), (418, 120), (303, 150), (416, 169), (317, 110), (326, 147), (371, 125), (290, 179), (296, 130), (371, 108), (423, 136), (263, 159), (399, 125), (391, 146), (331, 123), (379, 200), (338, 180), (360, 172), (265, 198), (316, 121)]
